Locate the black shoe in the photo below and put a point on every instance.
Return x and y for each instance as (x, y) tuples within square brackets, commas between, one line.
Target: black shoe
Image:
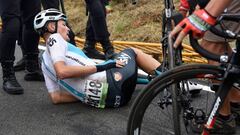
[(110, 54), (10, 83), (11, 86), (108, 49), (20, 65), (34, 76), (93, 53), (32, 69)]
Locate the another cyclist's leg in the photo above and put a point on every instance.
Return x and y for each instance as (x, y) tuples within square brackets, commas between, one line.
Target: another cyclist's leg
[(219, 47), (225, 123), (235, 104), (146, 62)]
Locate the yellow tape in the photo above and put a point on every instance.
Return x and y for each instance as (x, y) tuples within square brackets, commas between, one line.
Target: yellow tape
[(154, 49)]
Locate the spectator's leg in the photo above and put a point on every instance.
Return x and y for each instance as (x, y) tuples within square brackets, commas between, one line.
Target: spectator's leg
[(10, 30), (31, 40)]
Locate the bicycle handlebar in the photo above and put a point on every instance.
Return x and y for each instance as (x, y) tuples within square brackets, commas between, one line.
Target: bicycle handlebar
[(194, 43), (223, 33), (226, 33)]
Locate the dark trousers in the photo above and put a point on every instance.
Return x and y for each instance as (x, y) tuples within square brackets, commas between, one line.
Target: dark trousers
[(12, 12), (96, 29), (50, 4)]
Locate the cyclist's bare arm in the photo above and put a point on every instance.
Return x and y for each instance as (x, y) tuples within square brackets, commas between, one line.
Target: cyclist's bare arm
[(212, 10), (216, 7)]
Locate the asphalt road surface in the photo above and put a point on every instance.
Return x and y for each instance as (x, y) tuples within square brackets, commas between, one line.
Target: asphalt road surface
[(33, 114)]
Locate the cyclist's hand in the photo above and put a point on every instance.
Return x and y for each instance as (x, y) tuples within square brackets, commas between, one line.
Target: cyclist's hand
[(106, 65), (109, 64), (199, 22)]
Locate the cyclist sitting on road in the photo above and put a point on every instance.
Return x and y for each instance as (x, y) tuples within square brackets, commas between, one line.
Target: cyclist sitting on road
[(199, 23), (108, 84)]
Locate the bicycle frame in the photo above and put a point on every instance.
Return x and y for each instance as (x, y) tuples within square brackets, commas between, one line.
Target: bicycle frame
[(232, 71)]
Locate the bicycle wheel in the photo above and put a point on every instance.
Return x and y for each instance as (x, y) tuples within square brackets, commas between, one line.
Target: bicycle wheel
[(152, 112)]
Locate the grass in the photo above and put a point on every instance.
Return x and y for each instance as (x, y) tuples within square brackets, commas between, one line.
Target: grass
[(140, 22)]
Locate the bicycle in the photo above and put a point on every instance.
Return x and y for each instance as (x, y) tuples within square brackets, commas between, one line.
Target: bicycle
[(173, 57), (154, 100)]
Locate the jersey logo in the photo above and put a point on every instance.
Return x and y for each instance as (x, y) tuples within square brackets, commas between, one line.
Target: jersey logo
[(124, 58), (51, 41)]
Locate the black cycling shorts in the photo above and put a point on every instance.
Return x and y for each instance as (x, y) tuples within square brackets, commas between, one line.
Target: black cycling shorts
[(122, 81)]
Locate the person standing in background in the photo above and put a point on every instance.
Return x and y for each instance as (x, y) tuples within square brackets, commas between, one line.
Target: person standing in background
[(96, 30), (11, 12)]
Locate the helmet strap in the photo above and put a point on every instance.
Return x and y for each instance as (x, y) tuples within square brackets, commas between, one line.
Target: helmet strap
[(56, 27)]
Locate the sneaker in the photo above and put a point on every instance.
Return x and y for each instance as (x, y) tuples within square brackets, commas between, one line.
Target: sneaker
[(194, 88), (224, 127), (236, 113)]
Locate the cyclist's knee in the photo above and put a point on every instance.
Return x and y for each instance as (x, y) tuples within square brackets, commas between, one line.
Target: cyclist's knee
[(55, 97)]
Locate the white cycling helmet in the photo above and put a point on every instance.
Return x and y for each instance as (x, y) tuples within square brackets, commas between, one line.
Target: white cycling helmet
[(42, 18)]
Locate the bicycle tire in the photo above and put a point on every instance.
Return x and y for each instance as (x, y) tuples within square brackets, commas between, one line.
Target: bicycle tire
[(158, 85)]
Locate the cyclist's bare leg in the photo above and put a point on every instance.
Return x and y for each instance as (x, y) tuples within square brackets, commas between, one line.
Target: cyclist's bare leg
[(234, 94), (146, 62), (234, 97)]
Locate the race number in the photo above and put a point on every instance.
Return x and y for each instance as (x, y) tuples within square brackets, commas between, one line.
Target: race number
[(96, 93)]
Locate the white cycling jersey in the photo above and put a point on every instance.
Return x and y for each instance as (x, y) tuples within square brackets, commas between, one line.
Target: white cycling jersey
[(90, 89)]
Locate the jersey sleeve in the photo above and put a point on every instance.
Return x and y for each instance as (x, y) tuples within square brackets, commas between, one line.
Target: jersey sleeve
[(184, 5), (57, 47)]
